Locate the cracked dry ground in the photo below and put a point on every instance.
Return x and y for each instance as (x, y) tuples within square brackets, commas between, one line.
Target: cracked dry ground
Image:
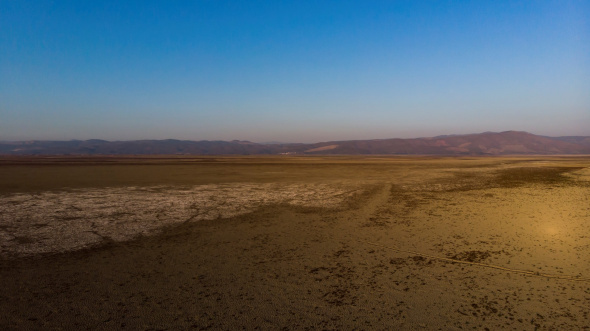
[(363, 243)]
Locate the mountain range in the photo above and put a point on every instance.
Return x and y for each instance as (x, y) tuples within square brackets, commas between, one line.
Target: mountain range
[(487, 143)]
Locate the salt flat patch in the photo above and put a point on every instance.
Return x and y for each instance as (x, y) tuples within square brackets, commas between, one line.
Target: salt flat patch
[(64, 221)]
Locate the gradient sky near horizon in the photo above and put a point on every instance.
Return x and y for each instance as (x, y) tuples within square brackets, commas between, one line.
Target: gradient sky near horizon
[(292, 71)]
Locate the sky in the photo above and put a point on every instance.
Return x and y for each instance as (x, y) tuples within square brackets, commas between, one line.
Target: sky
[(292, 71)]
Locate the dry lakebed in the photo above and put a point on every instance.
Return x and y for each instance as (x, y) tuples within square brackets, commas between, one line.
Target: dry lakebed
[(295, 242)]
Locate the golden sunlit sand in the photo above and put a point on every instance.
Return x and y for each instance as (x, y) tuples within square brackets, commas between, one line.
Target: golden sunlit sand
[(315, 242)]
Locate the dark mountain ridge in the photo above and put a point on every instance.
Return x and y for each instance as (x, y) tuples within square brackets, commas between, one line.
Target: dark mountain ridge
[(487, 143)]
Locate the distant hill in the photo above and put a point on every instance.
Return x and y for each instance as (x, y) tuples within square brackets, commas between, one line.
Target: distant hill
[(487, 143), (575, 139)]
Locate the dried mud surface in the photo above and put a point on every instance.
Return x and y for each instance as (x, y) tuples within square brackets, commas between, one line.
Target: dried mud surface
[(55, 222), (295, 243)]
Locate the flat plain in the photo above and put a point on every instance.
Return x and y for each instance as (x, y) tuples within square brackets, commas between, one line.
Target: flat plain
[(380, 242)]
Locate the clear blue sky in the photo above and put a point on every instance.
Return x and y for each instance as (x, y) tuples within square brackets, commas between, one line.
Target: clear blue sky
[(292, 71)]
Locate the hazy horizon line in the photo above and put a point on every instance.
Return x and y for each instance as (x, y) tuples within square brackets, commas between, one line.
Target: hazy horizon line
[(272, 142)]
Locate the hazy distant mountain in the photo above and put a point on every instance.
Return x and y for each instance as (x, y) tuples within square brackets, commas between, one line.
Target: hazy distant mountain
[(487, 143), (575, 139)]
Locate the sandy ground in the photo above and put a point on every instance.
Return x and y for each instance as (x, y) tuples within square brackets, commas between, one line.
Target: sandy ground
[(297, 243)]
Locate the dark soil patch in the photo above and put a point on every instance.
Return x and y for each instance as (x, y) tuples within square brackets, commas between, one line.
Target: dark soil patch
[(520, 176), (471, 256)]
